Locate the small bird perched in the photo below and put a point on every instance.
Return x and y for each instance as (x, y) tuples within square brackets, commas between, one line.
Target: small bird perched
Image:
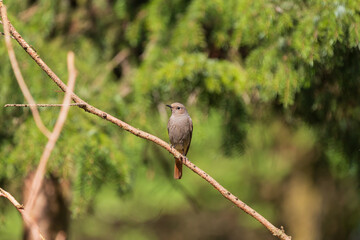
[(180, 129)]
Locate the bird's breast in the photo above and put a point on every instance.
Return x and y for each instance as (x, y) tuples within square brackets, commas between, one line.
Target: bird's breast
[(179, 129)]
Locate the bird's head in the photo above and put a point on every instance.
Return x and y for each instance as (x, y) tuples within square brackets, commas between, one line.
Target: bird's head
[(177, 108)]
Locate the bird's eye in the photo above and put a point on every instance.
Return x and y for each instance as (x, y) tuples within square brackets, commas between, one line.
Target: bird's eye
[(178, 108)]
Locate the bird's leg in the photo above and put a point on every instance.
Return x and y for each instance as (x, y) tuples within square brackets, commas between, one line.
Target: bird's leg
[(183, 158)]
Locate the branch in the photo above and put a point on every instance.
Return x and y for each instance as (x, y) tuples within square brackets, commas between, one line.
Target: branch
[(41, 105), (35, 231), (119, 58), (18, 74), (91, 109), (40, 171)]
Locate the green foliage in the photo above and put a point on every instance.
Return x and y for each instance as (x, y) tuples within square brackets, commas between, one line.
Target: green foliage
[(190, 71), (272, 88)]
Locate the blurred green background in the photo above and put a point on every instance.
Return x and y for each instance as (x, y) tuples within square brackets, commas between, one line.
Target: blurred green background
[(273, 90)]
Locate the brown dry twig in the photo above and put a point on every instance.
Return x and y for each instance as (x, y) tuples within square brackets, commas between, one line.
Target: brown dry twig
[(35, 231), (91, 109), (19, 76), (40, 171), (41, 105)]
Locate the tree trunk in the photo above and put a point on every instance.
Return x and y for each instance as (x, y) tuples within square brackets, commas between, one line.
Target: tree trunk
[(51, 209)]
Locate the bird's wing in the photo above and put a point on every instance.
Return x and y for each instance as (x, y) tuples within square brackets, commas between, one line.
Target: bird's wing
[(168, 125), (191, 130)]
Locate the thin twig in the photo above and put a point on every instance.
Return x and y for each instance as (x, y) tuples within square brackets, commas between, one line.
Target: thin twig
[(119, 58), (40, 171), (91, 109), (29, 221), (41, 105), (19, 76)]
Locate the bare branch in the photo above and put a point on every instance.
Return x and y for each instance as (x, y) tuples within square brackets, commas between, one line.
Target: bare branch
[(40, 171), (35, 231), (91, 109), (41, 105), (119, 57), (19, 76)]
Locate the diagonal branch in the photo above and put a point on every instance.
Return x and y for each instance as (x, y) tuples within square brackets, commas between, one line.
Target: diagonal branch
[(29, 221), (19, 76), (91, 109)]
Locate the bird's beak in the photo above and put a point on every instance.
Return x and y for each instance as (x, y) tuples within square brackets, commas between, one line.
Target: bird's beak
[(168, 106)]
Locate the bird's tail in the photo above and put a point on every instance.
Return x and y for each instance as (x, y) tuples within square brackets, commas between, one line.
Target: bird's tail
[(177, 169)]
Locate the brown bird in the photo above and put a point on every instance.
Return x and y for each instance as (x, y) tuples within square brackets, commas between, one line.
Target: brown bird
[(180, 129)]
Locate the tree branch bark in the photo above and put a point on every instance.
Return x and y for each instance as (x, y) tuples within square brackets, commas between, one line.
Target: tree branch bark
[(29, 221), (91, 109)]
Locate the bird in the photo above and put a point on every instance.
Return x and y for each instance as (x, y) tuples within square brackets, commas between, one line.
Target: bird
[(180, 128)]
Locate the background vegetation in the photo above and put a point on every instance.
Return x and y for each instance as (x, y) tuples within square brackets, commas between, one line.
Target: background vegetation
[(273, 90)]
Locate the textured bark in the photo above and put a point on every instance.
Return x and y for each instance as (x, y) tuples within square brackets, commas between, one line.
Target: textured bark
[(51, 210)]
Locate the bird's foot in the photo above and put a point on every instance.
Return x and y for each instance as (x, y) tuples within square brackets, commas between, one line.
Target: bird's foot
[(183, 158)]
